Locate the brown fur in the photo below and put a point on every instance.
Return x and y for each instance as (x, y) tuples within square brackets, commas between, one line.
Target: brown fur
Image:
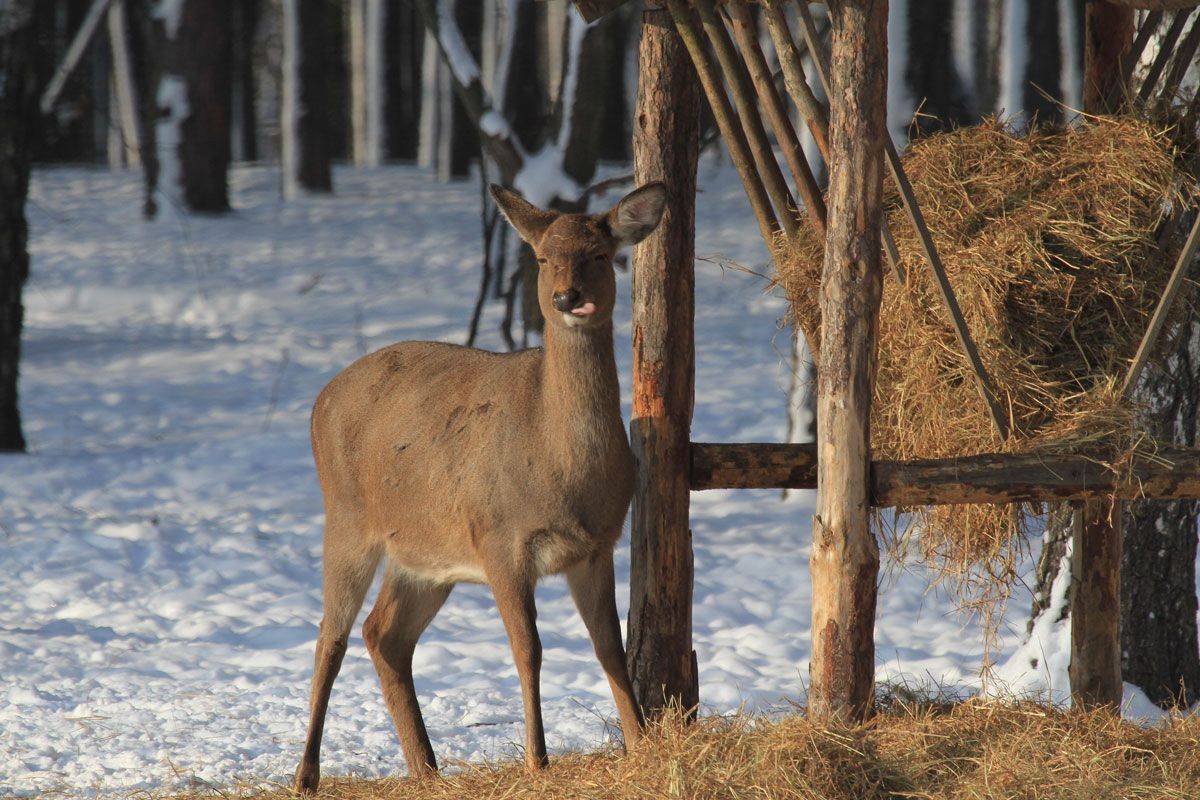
[(460, 465)]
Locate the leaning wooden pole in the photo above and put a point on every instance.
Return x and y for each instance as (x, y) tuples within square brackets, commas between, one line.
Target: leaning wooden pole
[(665, 142), (844, 562), (1095, 668)]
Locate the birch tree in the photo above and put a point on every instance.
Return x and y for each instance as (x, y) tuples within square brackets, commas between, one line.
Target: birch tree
[(190, 55), (306, 146)]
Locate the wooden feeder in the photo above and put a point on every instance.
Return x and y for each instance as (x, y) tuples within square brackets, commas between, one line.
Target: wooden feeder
[(720, 44)]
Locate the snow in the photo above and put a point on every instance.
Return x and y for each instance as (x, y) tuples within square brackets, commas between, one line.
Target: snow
[(541, 178), (457, 53), (162, 538), (900, 101), (171, 14), (576, 30), (1014, 59), (493, 124), (168, 136)]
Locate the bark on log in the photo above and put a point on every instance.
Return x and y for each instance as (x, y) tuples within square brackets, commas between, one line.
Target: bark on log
[(845, 557), (1172, 473), (1095, 669), (662, 662)]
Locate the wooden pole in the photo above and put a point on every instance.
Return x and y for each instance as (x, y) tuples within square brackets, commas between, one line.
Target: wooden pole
[(1168, 473), (746, 33), (727, 123), (742, 91), (1166, 46), (666, 145), (982, 382), (1095, 669), (845, 557)]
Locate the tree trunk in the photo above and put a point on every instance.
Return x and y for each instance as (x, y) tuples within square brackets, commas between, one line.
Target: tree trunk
[(18, 107), (932, 73), (367, 27), (463, 139), (1043, 73), (662, 662), (1108, 31), (192, 53), (844, 563), (1158, 586), (307, 118), (244, 122), (402, 98), (987, 35)]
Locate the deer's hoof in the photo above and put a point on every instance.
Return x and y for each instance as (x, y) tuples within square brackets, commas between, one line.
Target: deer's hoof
[(307, 779)]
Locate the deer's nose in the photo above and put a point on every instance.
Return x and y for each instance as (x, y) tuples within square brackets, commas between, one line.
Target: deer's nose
[(565, 301)]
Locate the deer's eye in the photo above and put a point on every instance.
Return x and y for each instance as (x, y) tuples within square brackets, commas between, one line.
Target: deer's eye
[(599, 259)]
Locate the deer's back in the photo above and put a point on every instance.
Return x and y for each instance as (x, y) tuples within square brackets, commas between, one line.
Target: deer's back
[(435, 446)]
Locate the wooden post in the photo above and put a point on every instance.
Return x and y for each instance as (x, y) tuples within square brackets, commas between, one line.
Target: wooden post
[(665, 140), (845, 557), (1095, 669)]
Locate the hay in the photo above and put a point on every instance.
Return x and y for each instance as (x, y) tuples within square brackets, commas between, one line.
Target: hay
[(1046, 238), (911, 749)]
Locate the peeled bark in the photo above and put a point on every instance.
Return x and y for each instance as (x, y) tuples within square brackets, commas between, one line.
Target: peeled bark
[(17, 116), (844, 563)]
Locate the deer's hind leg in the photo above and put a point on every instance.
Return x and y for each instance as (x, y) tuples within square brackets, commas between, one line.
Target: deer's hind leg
[(405, 607), (349, 565)]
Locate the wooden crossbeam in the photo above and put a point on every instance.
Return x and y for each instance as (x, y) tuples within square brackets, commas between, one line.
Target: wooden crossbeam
[(1171, 474)]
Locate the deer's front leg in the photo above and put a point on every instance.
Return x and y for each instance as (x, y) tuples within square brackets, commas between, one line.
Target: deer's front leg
[(593, 587), (512, 585)]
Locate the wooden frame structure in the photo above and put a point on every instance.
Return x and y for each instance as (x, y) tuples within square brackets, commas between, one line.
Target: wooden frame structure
[(853, 139)]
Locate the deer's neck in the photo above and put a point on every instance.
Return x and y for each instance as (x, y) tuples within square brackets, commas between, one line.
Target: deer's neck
[(580, 393)]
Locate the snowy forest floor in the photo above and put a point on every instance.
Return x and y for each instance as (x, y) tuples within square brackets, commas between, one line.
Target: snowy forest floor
[(161, 541)]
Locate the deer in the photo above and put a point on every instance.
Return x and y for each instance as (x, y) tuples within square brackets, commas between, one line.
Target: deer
[(455, 464)]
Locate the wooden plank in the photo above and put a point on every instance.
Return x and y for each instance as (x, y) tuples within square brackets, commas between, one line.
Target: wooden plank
[(1162, 311), (844, 560), (666, 145), (1171, 474), (1183, 60), (1095, 668)]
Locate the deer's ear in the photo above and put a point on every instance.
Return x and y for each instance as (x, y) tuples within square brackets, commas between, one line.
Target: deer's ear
[(529, 220), (638, 213)]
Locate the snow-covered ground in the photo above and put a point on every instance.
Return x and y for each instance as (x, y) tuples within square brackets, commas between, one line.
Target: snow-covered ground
[(161, 541)]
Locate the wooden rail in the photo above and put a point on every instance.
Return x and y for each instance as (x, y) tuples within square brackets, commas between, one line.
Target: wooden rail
[(1171, 474)]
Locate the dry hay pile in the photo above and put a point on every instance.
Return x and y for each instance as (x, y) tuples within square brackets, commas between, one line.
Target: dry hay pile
[(1046, 238), (967, 751)]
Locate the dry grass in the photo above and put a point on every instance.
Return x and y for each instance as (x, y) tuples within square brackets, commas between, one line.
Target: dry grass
[(910, 750), (1046, 238)]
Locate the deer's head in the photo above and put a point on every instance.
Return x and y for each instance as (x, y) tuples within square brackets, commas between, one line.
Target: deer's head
[(576, 284)]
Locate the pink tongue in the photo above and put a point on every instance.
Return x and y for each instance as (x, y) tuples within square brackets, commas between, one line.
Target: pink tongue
[(585, 310)]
